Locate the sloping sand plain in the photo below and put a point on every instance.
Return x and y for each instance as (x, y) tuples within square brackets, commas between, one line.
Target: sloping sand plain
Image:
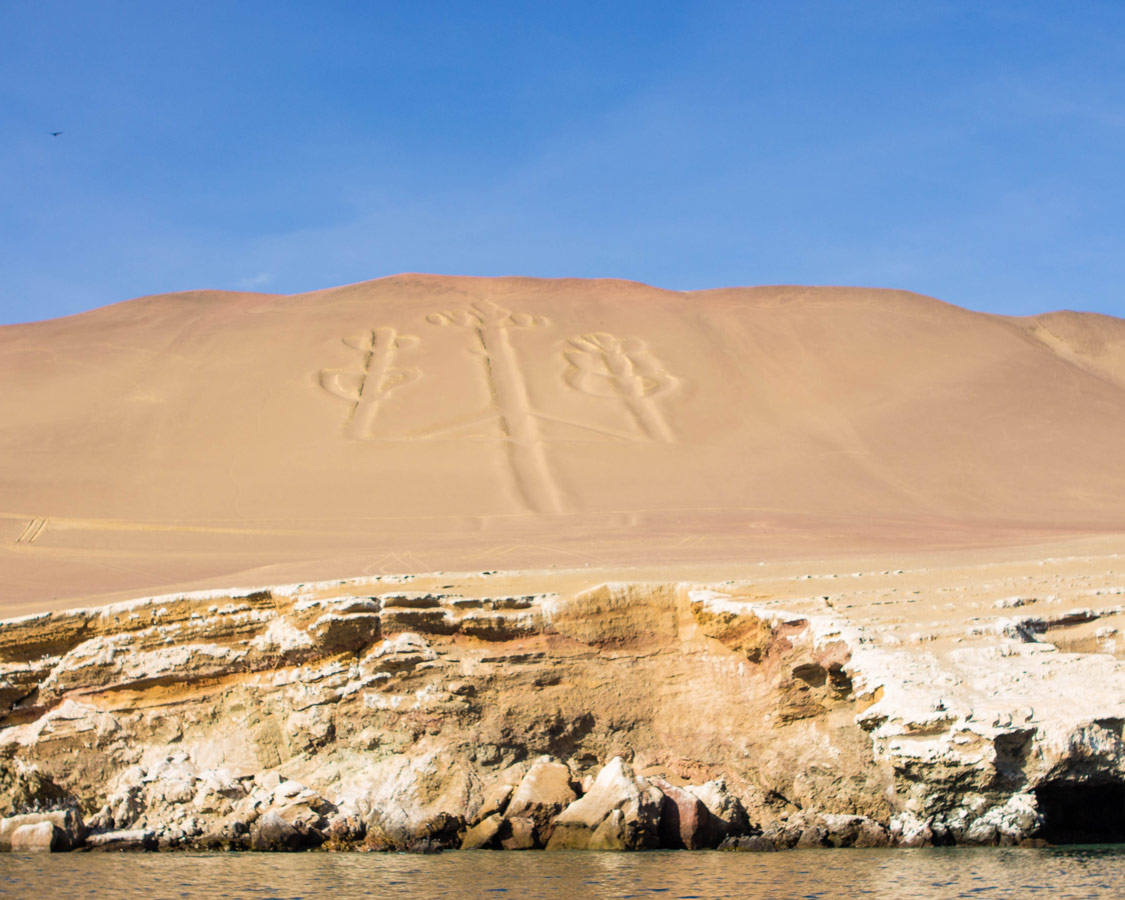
[(589, 429)]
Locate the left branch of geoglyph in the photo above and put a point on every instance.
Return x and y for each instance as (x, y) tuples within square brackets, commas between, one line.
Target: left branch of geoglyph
[(376, 377)]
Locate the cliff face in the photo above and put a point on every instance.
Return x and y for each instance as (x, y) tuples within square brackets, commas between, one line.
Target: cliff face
[(397, 712)]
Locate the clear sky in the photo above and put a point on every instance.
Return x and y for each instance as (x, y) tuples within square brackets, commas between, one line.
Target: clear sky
[(971, 150)]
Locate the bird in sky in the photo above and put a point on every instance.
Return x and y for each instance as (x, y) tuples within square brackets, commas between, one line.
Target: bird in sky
[(54, 133)]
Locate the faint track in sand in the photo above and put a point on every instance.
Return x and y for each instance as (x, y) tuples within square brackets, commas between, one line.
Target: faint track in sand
[(32, 532)]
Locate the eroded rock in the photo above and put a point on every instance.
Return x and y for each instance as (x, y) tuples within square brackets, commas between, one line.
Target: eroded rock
[(62, 829), (685, 821), (728, 814), (42, 837), (620, 812), (545, 791), (132, 841), (201, 721), (520, 833), (481, 835), (272, 832)]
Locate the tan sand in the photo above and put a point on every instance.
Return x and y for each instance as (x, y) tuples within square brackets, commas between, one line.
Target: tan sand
[(422, 423)]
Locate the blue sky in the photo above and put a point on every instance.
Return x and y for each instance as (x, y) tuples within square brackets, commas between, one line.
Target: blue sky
[(974, 151)]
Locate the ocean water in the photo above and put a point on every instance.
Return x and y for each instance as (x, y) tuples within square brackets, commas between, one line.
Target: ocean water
[(1081, 873)]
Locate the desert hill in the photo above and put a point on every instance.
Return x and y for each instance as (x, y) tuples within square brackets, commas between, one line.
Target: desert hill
[(424, 423)]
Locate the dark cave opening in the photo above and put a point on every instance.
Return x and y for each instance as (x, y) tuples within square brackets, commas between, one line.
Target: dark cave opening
[(1082, 813)]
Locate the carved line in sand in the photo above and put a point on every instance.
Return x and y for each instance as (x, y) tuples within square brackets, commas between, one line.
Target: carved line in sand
[(518, 422), (598, 365), (604, 365), (375, 379), (398, 563), (32, 531)]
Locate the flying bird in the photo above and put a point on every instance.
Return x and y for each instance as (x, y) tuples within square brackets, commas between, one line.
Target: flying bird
[(54, 133)]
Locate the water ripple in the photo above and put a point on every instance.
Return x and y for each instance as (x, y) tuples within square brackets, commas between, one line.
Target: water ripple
[(1081, 874)]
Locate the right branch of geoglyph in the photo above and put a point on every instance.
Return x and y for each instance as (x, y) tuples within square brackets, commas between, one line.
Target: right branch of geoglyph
[(604, 365), (375, 379)]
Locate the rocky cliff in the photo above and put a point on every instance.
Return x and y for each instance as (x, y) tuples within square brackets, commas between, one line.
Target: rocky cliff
[(412, 713)]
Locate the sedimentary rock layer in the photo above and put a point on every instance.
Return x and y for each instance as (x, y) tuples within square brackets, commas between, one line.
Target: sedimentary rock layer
[(392, 713)]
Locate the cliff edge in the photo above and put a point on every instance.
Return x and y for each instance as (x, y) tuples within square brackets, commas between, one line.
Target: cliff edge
[(431, 712)]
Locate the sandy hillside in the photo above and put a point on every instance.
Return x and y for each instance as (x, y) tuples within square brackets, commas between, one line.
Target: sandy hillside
[(421, 423)]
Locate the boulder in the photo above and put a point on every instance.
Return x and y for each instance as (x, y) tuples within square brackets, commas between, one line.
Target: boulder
[(983, 831), (122, 841), (425, 846), (483, 833), (377, 840), (421, 803), (815, 835), (42, 837), (228, 832), (853, 831), (872, 834), (723, 805), (521, 834), (1015, 820), (68, 822), (752, 843), (343, 830), (271, 832), (907, 830), (442, 830), (621, 812), (544, 792), (495, 801), (685, 822), (433, 834), (785, 834)]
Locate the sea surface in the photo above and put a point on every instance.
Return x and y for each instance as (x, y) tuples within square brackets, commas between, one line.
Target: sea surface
[(1080, 873)]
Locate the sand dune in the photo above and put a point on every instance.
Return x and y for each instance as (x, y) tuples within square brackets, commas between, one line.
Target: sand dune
[(425, 423)]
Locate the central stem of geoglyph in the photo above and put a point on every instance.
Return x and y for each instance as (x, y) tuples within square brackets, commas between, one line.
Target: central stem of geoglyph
[(518, 421)]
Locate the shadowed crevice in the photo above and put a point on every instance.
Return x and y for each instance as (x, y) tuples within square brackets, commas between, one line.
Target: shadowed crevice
[(1075, 813)]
